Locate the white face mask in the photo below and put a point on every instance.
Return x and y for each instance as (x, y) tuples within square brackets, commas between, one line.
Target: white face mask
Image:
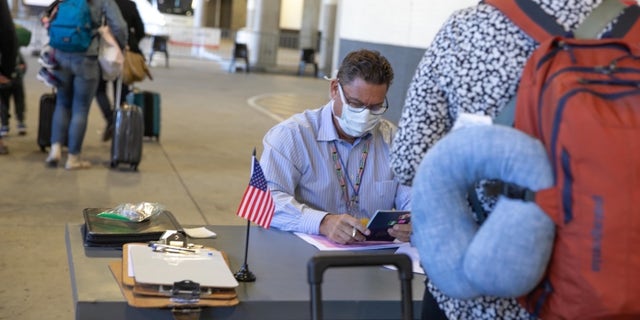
[(353, 121)]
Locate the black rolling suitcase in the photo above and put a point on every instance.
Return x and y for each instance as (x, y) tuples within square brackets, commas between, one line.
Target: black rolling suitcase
[(45, 119), (323, 261), (128, 130)]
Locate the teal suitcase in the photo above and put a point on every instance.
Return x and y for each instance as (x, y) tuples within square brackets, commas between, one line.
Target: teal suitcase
[(149, 101)]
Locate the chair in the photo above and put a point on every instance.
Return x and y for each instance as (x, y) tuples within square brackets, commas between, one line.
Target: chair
[(308, 56), (240, 51), (159, 44)]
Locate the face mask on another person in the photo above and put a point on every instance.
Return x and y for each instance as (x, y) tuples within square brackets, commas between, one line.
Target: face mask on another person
[(356, 121)]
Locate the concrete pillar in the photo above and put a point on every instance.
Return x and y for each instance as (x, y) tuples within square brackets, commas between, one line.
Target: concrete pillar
[(328, 22), (263, 28), (309, 27), (18, 10), (199, 13), (238, 15)]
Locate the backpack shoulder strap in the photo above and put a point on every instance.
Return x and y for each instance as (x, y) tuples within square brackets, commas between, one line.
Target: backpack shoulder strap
[(628, 25), (527, 15), (539, 25), (598, 19)]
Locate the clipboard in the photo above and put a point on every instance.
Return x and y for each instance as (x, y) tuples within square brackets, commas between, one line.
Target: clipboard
[(158, 296), (165, 291), (207, 267), (155, 301)]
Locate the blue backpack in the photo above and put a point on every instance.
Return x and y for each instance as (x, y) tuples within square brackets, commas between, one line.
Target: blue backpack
[(72, 29)]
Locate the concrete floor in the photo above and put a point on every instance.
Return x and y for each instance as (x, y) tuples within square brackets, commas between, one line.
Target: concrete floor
[(211, 121)]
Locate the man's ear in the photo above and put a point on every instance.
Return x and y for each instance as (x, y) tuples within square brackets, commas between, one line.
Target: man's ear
[(333, 90)]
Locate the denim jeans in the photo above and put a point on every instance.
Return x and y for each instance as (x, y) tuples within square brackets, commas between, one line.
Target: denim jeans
[(78, 75), (507, 255)]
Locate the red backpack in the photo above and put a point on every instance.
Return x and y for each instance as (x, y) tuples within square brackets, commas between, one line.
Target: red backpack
[(581, 98)]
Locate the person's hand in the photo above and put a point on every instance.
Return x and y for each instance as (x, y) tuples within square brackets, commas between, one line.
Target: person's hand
[(45, 21), (343, 228), (4, 81), (402, 232)]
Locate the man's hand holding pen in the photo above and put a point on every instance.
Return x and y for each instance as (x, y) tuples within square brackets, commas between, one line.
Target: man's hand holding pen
[(343, 228)]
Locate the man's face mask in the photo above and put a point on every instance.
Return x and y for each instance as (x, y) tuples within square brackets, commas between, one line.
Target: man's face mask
[(356, 121)]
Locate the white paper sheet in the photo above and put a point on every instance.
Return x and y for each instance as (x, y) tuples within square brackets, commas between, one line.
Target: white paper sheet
[(324, 244)]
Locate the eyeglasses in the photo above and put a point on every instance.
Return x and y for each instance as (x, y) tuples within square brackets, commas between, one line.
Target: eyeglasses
[(377, 109)]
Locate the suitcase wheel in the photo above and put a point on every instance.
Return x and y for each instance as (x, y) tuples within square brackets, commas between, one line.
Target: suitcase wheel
[(134, 166), (114, 164)]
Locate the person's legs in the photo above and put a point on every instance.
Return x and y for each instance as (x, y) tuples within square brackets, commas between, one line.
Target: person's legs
[(84, 89), (103, 100), (19, 105), (4, 110), (61, 114), (105, 108)]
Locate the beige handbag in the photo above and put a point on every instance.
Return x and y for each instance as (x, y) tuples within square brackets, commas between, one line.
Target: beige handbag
[(109, 55), (135, 68)]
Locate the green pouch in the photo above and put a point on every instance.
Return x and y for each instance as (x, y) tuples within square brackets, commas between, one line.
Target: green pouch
[(24, 35)]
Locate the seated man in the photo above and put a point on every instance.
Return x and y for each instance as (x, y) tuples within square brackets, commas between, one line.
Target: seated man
[(328, 168)]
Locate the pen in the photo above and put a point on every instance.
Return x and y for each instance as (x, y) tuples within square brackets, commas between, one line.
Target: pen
[(169, 248)]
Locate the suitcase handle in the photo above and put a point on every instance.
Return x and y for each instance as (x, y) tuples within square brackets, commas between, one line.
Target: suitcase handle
[(322, 261)]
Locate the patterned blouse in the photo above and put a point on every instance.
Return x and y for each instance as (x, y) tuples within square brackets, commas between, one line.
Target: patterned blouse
[(472, 66)]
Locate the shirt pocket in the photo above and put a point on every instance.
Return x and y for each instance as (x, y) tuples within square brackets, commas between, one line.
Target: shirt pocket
[(384, 195)]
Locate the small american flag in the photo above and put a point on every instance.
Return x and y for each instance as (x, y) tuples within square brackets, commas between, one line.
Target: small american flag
[(257, 204)]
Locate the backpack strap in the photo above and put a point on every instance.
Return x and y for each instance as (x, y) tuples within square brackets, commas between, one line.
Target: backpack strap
[(524, 13), (539, 25), (628, 25), (527, 15), (598, 19)]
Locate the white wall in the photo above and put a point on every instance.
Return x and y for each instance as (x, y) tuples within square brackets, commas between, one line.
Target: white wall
[(291, 14), (406, 23)]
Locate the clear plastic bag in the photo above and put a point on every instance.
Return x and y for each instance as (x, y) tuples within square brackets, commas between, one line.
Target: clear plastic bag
[(134, 212)]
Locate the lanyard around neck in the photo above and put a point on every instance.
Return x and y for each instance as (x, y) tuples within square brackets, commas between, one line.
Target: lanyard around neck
[(343, 177)]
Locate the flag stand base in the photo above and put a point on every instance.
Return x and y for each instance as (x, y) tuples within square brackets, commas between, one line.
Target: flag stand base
[(244, 275)]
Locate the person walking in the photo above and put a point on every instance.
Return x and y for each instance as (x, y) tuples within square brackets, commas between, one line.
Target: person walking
[(8, 51), (15, 90), (136, 32), (78, 73)]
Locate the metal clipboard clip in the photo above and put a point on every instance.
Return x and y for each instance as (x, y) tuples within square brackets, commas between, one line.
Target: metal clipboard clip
[(186, 294)]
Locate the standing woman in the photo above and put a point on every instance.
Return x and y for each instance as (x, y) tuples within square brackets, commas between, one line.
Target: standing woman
[(8, 51), (135, 26), (78, 73), (136, 32), (472, 66)]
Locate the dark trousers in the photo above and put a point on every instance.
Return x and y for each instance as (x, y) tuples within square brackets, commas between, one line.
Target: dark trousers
[(17, 91), (106, 107)]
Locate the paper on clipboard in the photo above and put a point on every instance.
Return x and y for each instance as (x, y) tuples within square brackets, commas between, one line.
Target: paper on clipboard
[(208, 267)]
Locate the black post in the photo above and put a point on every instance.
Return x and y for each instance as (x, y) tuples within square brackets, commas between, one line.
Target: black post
[(244, 274)]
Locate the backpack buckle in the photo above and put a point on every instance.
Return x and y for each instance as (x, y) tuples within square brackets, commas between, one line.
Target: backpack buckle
[(514, 191)]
